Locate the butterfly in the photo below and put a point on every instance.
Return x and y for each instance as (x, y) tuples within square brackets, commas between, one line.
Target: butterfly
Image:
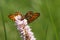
[(30, 16)]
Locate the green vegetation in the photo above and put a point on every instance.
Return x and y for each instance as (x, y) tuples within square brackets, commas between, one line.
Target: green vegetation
[(46, 27)]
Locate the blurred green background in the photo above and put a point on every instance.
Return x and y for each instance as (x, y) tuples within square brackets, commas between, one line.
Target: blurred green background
[(46, 27)]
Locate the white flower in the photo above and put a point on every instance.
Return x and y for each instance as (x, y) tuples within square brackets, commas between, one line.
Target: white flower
[(24, 29)]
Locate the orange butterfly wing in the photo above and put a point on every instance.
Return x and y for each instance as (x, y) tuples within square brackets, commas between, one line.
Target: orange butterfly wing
[(30, 16), (11, 16)]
